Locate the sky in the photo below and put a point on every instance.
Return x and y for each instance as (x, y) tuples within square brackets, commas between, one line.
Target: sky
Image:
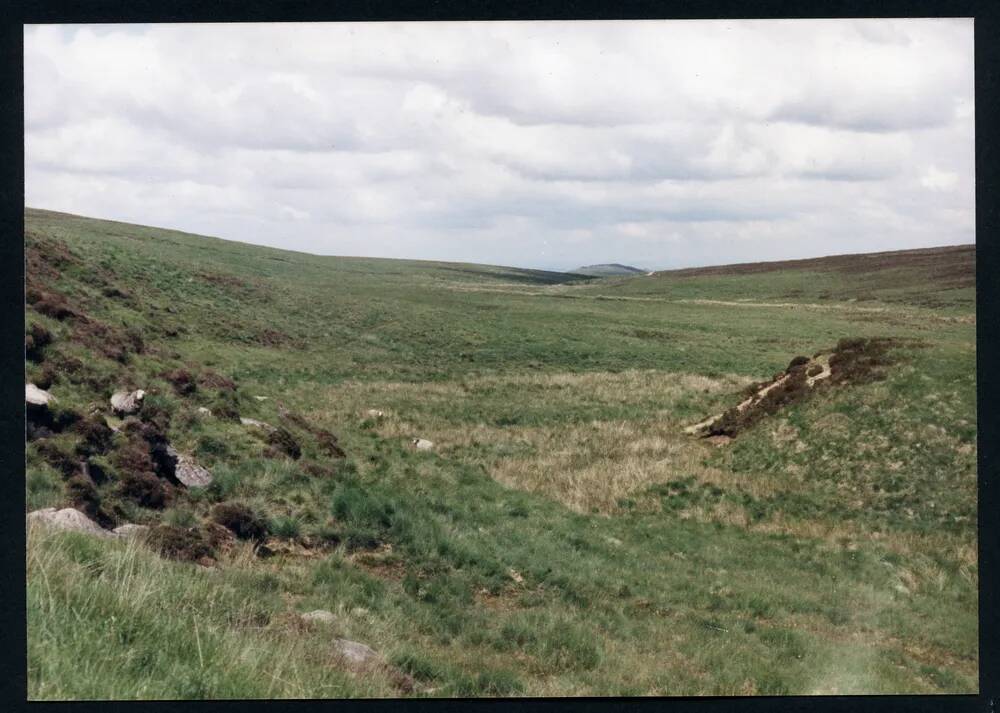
[(551, 145)]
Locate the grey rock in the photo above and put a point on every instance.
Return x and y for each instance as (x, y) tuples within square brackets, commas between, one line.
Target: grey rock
[(190, 473), (66, 519), (355, 653), (130, 529), (422, 444), (319, 615), (256, 424)]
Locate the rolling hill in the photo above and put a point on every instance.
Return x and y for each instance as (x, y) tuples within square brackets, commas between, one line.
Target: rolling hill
[(560, 535), (607, 270)]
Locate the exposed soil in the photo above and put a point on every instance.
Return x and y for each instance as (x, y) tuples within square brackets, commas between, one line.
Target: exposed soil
[(852, 361)]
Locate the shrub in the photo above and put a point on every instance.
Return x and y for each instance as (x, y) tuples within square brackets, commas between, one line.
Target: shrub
[(96, 435), (241, 520), (182, 381), (35, 341), (282, 441), (797, 361), (179, 543), (143, 488)]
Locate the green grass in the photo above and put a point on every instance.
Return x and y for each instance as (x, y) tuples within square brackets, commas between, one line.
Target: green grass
[(563, 537)]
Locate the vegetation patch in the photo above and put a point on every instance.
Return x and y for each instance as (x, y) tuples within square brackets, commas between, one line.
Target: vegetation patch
[(179, 543), (241, 520)]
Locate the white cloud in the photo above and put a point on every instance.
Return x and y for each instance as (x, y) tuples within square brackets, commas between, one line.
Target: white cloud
[(939, 180), (543, 143)]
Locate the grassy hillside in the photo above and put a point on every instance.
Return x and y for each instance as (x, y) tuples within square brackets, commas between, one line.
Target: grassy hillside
[(562, 537)]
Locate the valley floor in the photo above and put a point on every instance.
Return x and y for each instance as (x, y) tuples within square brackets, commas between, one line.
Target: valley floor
[(563, 536)]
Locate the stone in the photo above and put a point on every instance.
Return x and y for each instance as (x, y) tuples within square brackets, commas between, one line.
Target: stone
[(355, 653), (189, 473), (37, 397), (66, 519), (202, 411), (125, 403), (321, 616), (257, 424), (374, 413), (422, 444), (130, 529)]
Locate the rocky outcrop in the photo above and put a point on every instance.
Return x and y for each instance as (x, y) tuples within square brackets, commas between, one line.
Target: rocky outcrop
[(189, 473), (66, 519)]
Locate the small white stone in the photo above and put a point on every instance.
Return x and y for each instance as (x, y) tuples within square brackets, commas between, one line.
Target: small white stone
[(319, 615)]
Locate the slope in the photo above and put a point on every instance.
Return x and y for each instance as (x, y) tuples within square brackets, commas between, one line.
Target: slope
[(563, 536)]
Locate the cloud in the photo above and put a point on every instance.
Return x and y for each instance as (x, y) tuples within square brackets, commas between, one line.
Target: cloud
[(548, 144)]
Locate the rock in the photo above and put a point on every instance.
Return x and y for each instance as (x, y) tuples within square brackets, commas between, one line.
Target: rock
[(66, 519), (422, 444), (190, 473), (37, 397), (374, 413), (256, 424), (355, 653), (202, 411), (125, 403), (261, 398), (130, 529), (319, 615)]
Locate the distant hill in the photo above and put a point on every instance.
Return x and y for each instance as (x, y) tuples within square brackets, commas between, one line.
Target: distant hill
[(607, 270)]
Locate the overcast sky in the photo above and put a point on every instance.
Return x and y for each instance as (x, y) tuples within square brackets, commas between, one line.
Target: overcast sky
[(537, 144)]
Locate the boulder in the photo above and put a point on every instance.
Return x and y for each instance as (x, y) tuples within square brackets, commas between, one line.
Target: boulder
[(130, 529), (125, 403), (66, 519), (204, 412), (355, 653), (422, 444), (189, 473), (321, 616), (374, 413), (37, 397)]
